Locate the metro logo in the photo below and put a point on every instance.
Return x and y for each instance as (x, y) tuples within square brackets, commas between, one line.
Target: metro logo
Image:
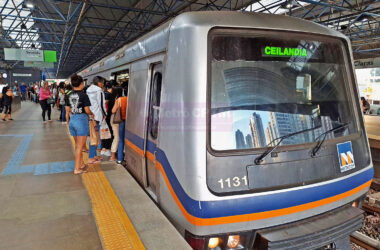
[(346, 156)]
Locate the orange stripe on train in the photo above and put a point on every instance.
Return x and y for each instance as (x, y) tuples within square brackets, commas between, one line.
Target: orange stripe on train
[(244, 217)]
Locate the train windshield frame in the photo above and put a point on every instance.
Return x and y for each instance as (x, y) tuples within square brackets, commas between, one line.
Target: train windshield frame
[(263, 85)]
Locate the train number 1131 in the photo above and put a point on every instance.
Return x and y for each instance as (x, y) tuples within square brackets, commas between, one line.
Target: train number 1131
[(233, 182)]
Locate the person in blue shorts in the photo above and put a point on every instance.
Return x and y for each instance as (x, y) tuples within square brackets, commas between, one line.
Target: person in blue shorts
[(78, 105)]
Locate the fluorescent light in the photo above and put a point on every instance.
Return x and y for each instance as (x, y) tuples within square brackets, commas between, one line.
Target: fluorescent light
[(29, 4)]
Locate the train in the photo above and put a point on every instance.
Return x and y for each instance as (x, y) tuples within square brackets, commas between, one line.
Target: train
[(246, 129)]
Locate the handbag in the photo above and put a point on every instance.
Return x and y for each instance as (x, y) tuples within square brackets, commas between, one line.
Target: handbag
[(117, 117), (94, 138), (105, 132), (50, 101)]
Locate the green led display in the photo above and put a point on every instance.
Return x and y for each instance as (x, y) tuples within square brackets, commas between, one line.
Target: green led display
[(284, 52), (50, 56)]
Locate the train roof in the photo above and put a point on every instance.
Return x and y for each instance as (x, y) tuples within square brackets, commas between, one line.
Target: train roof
[(156, 40)]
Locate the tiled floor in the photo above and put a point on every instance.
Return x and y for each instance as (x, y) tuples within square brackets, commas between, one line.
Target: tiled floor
[(49, 211)]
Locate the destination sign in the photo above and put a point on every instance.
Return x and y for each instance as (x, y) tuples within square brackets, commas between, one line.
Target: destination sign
[(284, 52)]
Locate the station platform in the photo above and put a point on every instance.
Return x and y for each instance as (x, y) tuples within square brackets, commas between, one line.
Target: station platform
[(43, 205), (372, 124)]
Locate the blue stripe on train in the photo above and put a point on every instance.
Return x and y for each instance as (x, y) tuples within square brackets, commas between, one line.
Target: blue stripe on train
[(256, 204)]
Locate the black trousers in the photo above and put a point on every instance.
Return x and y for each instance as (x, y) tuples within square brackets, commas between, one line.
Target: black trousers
[(107, 143), (45, 107)]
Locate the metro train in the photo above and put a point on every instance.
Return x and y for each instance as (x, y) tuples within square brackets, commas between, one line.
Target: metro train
[(246, 129)]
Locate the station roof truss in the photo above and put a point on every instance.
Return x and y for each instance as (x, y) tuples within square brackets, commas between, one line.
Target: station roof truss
[(83, 32)]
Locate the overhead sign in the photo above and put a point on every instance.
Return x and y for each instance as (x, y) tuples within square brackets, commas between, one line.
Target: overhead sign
[(50, 56), (24, 54), (284, 52), (367, 63), (41, 65), (22, 75)]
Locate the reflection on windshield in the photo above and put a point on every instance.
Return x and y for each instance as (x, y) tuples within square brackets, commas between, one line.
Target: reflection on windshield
[(268, 89), (256, 129)]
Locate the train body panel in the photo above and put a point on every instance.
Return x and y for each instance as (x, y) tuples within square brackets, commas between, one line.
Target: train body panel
[(189, 176)]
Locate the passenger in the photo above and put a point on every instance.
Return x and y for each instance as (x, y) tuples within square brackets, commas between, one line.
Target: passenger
[(32, 94), (68, 90), (2, 86), (78, 105), (15, 89), (98, 108), (23, 92), (7, 102), (117, 92), (55, 94), (122, 103), (61, 102), (365, 105), (37, 90), (107, 143), (45, 94)]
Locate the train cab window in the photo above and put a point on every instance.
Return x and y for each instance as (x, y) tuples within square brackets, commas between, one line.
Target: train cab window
[(265, 86), (155, 104)]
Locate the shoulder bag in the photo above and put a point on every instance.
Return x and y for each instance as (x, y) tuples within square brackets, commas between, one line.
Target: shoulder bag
[(94, 137), (117, 117)]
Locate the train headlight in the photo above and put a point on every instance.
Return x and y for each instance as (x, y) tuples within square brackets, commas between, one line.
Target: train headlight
[(214, 242), (233, 241)]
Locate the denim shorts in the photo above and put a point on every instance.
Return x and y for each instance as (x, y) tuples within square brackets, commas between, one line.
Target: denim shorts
[(78, 125)]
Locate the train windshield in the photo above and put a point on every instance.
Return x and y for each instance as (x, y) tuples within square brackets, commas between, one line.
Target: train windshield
[(268, 85)]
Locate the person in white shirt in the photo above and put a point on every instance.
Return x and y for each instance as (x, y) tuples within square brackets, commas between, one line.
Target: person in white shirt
[(98, 108)]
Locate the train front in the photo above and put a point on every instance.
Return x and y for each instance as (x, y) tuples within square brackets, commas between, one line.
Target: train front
[(287, 152)]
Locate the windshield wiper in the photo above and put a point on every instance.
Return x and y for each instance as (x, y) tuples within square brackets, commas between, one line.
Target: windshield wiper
[(324, 134), (260, 158)]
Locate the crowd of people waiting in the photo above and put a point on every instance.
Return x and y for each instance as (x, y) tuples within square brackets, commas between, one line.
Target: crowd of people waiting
[(99, 102), (78, 105)]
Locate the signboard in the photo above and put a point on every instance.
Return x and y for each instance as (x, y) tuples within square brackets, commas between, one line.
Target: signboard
[(367, 63), (24, 54), (284, 52), (22, 75), (40, 65), (50, 56)]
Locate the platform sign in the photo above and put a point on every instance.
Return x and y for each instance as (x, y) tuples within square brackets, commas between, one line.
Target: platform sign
[(50, 56), (346, 156), (367, 63), (40, 65), (23, 54)]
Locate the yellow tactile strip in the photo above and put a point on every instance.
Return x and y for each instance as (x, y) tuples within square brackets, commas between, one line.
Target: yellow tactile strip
[(115, 229)]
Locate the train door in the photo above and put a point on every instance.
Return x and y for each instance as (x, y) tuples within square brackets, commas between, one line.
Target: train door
[(152, 128), (121, 76)]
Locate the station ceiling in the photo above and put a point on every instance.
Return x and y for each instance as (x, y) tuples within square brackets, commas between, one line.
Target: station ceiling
[(82, 32)]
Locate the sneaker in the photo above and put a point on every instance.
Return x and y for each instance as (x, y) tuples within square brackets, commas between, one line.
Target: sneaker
[(44, 122), (107, 153), (63, 122)]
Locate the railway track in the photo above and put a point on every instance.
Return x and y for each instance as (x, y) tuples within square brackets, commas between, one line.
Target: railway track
[(364, 241), (370, 209)]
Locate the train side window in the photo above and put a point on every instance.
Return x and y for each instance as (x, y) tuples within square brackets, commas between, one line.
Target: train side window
[(155, 104)]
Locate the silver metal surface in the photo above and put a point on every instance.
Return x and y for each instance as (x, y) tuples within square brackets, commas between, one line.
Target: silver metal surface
[(181, 45)]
